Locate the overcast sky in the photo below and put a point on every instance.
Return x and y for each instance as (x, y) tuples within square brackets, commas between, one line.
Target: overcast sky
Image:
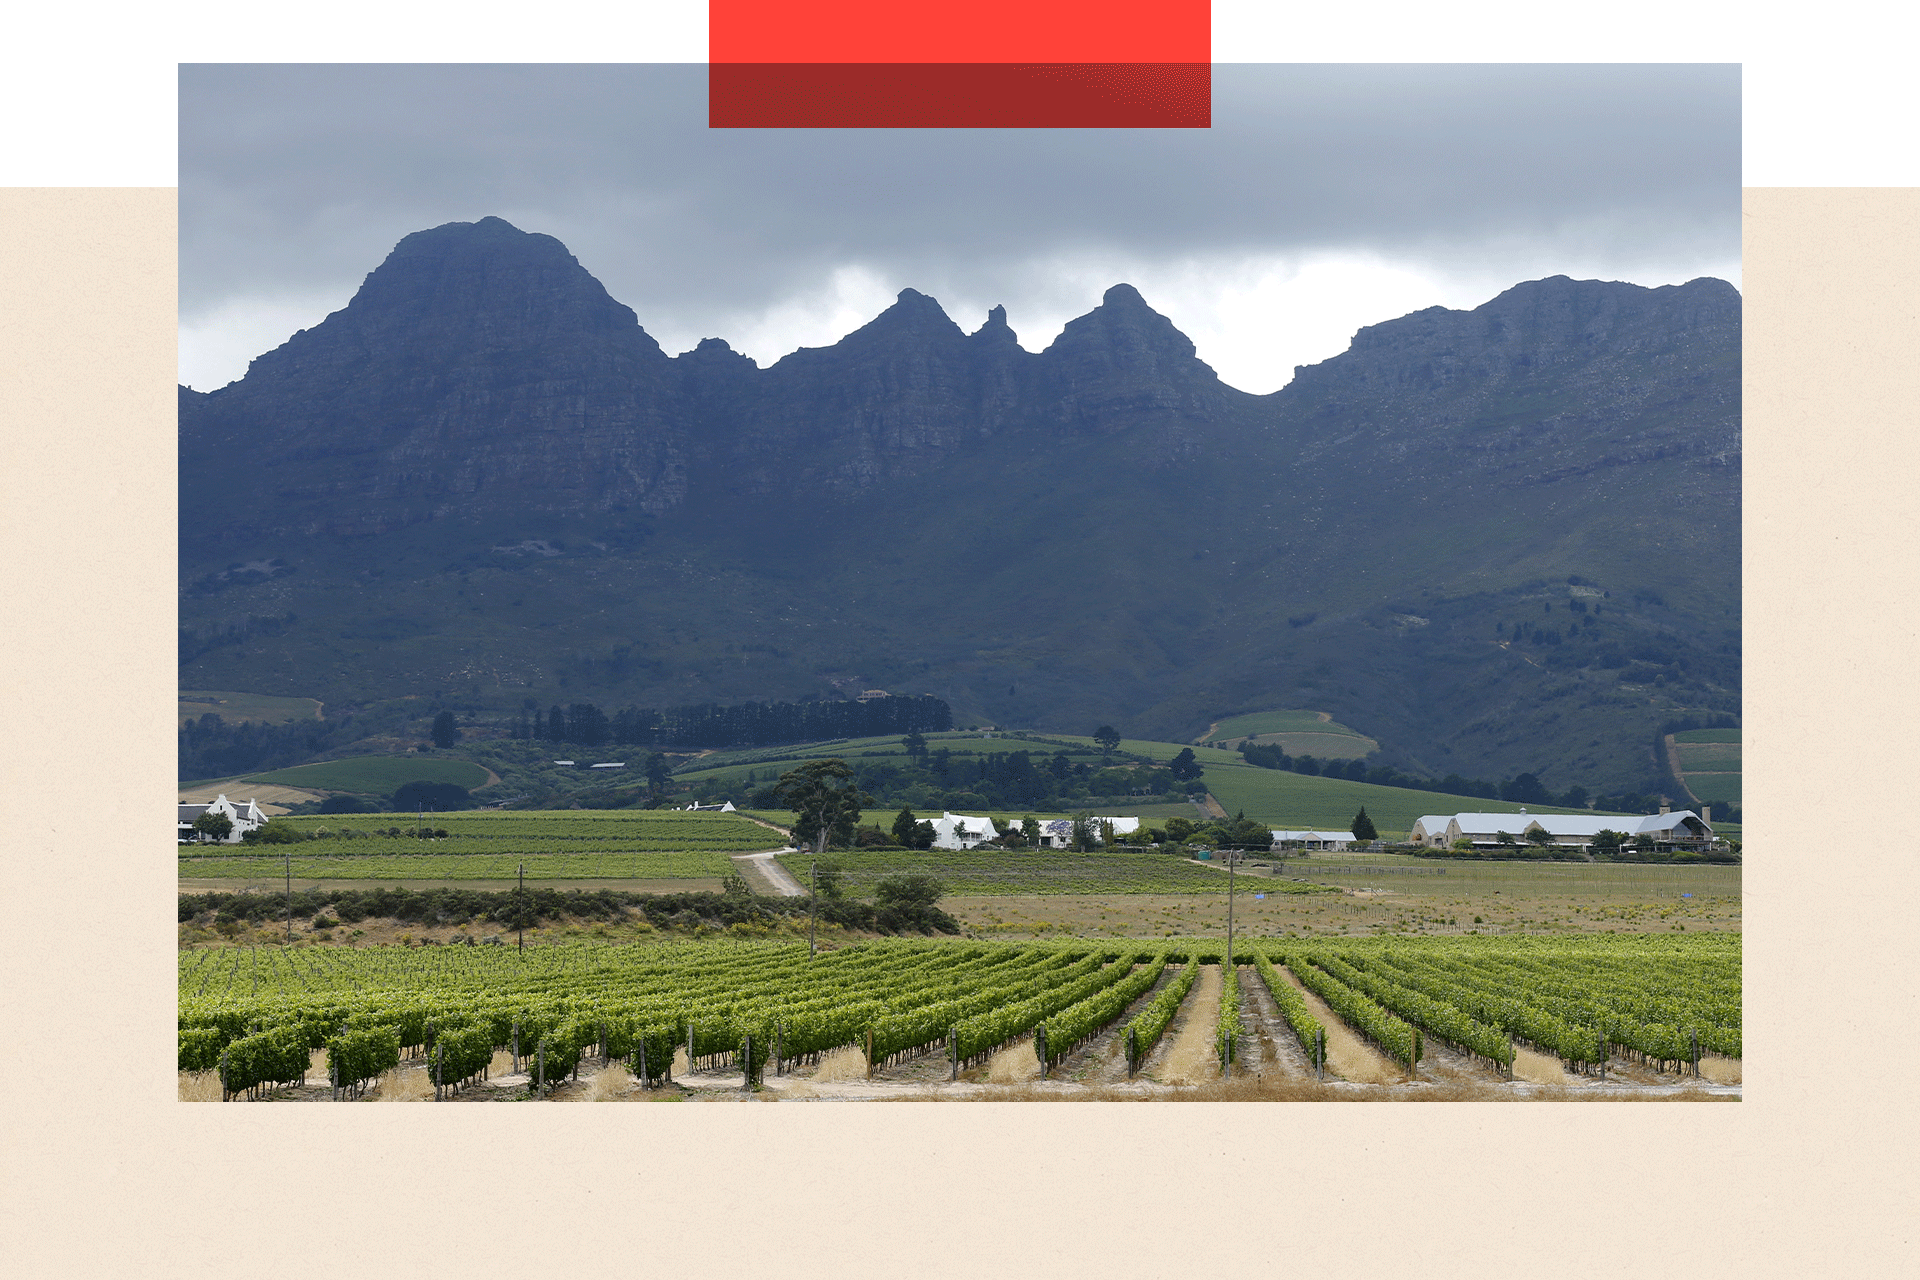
[(1324, 198)]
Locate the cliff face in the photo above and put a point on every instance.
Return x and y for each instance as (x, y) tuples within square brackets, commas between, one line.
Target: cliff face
[(517, 491)]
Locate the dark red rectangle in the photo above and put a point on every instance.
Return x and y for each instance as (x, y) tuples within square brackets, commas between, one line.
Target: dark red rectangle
[(959, 95)]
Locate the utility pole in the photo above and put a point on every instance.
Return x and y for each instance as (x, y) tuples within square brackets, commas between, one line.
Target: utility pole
[(289, 854), (520, 908), (1229, 909)]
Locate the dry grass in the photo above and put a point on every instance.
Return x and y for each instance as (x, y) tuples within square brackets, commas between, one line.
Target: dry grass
[(502, 1064), (1281, 1089), (403, 1084), (1191, 1058), (609, 1084), (1540, 1068), (199, 1086), (1718, 1070), (844, 1064), (1014, 1064)]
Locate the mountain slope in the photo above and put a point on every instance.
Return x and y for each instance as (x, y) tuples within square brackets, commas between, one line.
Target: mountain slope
[(1496, 540)]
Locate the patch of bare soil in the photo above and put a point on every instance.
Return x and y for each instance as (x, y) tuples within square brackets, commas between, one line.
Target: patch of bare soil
[(1186, 1053), (1267, 1046)]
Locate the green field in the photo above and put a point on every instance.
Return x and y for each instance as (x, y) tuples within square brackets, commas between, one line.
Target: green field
[(1708, 735), (1296, 733), (1709, 757), (458, 866), (376, 775), (1278, 797), (233, 707), (985, 872), (1716, 788), (608, 829), (1296, 801)]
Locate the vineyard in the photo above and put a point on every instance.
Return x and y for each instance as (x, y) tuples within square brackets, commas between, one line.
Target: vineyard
[(986, 872), (254, 1015), (571, 845)]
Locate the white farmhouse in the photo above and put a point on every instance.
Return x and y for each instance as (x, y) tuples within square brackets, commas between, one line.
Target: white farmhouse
[(961, 831), (1057, 833), (245, 816)]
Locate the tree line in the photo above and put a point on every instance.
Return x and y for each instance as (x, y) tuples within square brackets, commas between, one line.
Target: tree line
[(748, 724)]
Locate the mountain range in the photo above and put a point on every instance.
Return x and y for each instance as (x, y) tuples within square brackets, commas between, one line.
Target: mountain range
[(1497, 540)]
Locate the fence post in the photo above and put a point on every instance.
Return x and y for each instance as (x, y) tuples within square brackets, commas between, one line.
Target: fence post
[(746, 1063), (540, 1077), (1695, 1035), (1133, 1051), (689, 1047), (516, 1046), (603, 1045), (953, 1050), (1040, 1043), (869, 1053), (779, 1045)]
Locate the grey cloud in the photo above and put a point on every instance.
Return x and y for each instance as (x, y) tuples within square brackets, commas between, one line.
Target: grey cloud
[(298, 179)]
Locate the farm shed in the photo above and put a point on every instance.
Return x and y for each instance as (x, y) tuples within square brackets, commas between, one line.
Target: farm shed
[(1315, 840), (1684, 829), (1057, 833)]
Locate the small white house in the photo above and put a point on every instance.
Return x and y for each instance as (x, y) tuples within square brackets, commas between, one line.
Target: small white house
[(723, 807), (962, 831), (1057, 833), (245, 816), (1315, 841)]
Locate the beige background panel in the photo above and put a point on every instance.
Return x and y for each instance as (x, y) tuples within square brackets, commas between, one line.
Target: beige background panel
[(108, 1176)]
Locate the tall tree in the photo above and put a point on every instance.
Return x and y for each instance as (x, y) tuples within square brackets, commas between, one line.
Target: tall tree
[(1107, 737), (822, 809), (657, 772), (1184, 766), (1363, 826), (445, 734), (903, 824), (213, 827)]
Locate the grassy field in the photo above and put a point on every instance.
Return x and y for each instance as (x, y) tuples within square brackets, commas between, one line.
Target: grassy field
[(608, 829), (1376, 895), (234, 707), (1709, 757), (1716, 788), (1296, 801), (1296, 733), (985, 872), (377, 775), (1278, 797), (1708, 735)]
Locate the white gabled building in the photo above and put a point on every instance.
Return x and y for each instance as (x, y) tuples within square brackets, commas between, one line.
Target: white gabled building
[(1685, 828), (1057, 833), (725, 806), (961, 831), (245, 816)]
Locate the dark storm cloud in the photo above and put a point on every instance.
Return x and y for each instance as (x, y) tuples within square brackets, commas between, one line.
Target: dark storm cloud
[(299, 179)]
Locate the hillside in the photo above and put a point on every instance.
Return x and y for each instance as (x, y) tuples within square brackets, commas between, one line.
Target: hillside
[(1492, 541)]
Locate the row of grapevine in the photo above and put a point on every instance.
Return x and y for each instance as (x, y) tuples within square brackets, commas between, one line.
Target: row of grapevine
[(1147, 1026), (1355, 1009), (1434, 1016), (1293, 1010), (1227, 1033), (1074, 1024)]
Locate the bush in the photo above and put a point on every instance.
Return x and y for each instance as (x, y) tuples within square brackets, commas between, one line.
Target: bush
[(273, 833)]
